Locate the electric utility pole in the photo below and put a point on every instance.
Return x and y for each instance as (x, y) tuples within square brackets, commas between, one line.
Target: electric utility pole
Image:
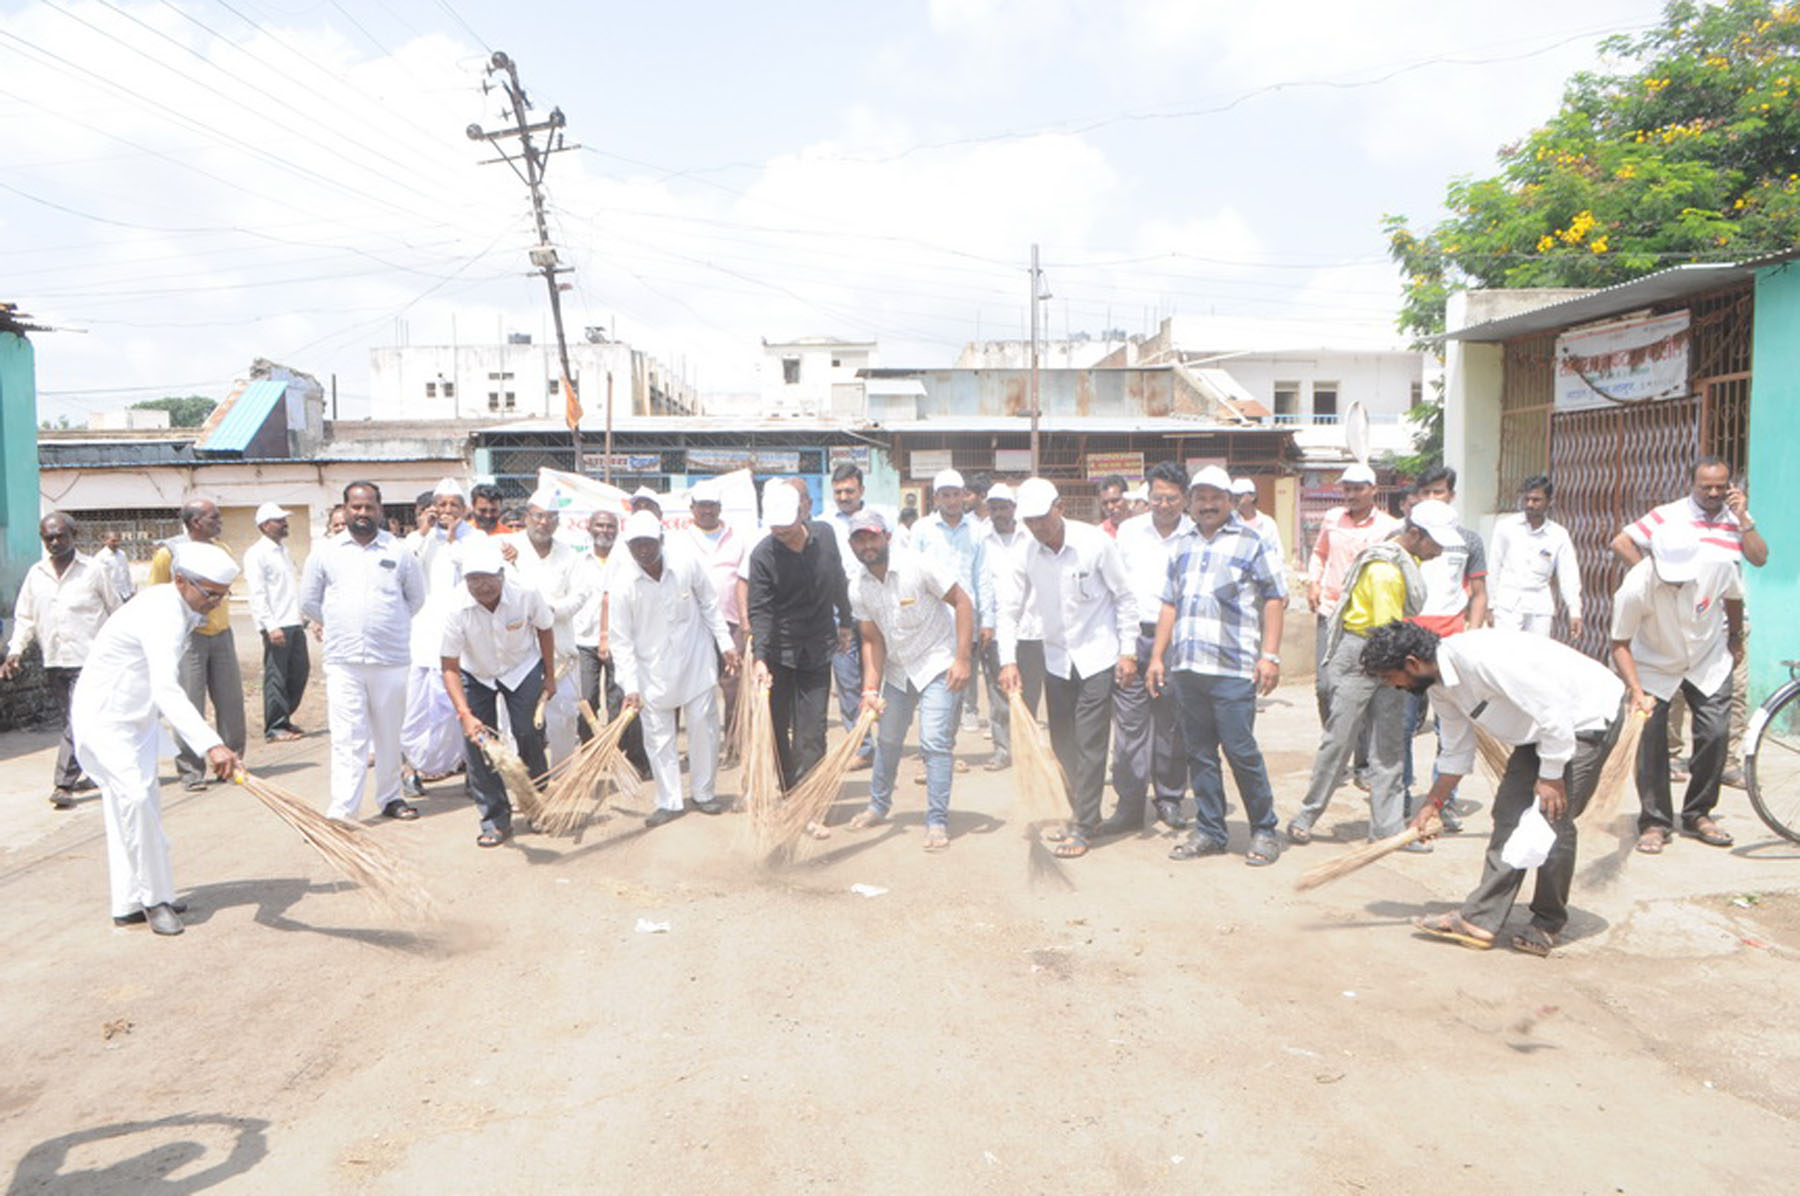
[(1038, 295), (528, 162)]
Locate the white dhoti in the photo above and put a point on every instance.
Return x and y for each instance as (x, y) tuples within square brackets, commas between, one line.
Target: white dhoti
[(703, 748), (431, 736), (122, 761), (1518, 620), (366, 705)]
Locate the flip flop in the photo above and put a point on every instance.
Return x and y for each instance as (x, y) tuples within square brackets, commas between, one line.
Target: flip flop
[(1652, 841), (1534, 940), (817, 831), (936, 838), (1298, 834), (1447, 927), (1708, 832), (866, 819), (1265, 849), (1072, 846), (490, 839)]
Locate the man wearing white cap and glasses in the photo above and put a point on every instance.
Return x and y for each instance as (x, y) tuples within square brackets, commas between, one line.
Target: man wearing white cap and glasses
[(916, 655), (541, 562), (667, 641), (364, 586), (274, 585), (1677, 627), (428, 737), (1243, 497), (799, 601), (130, 682), (1383, 584), (498, 646), (1071, 574)]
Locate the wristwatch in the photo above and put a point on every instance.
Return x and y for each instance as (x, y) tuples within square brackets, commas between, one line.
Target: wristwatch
[(1271, 657)]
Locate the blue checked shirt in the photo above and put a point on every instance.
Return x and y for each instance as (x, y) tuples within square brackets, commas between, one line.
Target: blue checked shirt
[(1218, 588)]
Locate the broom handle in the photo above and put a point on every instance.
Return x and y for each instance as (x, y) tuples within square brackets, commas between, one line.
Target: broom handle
[(1315, 877)]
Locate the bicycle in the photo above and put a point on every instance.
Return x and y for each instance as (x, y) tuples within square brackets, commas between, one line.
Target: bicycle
[(1772, 757)]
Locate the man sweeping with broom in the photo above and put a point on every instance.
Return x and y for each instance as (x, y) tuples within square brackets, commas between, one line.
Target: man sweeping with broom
[(1559, 710), (131, 679)]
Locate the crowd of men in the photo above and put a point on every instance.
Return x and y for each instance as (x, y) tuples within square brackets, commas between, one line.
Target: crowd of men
[(1149, 636)]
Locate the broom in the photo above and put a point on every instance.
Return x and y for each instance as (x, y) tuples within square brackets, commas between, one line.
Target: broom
[(513, 774), (565, 807), (1040, 788), (1359, 857), (350, 850), (759, 766), (1619, 774), (808, 802)]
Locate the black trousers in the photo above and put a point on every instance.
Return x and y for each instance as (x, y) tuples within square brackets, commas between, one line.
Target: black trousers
[(798, 701), (1711, 729), (62, 696), (286, 667), (1080, 711), (485, 785), (600, 689)]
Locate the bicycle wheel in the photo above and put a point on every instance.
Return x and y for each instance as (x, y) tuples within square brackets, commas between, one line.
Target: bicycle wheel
[(1772, 762)]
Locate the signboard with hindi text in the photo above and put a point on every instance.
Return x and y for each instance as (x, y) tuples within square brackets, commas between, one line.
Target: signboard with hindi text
[(1635, 360), (1129, 466)]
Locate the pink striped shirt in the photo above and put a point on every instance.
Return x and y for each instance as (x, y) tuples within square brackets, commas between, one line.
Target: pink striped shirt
[(1340, 539), (1721, 538)]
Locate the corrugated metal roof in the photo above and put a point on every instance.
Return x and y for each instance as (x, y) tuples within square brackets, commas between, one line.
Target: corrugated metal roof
[(1674, 283), (1150, 425), (244, 417), (659, 424)]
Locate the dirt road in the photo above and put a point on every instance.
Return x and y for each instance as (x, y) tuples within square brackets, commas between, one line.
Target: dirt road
[(1150, 1026)]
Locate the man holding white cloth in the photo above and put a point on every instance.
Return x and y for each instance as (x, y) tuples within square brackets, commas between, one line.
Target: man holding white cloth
[(132, 679), (667, 638), (364, 586)]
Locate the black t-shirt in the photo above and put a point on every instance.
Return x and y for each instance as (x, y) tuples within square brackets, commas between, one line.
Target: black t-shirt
[(798, 600)]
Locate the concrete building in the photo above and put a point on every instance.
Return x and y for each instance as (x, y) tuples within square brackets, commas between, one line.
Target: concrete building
[(1614, 393), (812, 377), (519, 380)]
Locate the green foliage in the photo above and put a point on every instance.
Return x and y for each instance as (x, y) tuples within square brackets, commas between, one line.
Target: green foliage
[(184, 412), (1686, 150)]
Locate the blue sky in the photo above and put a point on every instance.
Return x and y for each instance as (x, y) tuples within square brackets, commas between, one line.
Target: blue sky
[(196, 183)]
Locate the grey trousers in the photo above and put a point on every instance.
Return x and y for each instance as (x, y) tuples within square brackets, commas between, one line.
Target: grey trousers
[(62, 696), (1492, 899), (1148, 747), (1355, 694), (210, 666), (1030, 661)]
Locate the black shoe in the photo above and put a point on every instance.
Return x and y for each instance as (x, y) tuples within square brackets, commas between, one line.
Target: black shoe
[(412, 786), (660, 817), (1168, 812), (713, 806), (399, 811), (62, 799), (1119, 824), (163, 919), (198, 786)]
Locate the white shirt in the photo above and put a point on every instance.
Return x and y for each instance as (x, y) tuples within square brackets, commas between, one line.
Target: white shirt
[(721, 551), (133, 674), (1721, 535), (908, 608), (1677, 633), (118, 568), (1001, 558), (556, 577), (593, 576), (1146, 553), (274, 585), (1266, 527), (1524, 559), (365, 596), (666, 633), (1081, 595), (499, 646), (440, 561), (64, 613), (1521, 688)]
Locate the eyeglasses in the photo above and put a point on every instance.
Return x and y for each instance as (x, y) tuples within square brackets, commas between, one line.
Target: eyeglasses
[(1166, 500)]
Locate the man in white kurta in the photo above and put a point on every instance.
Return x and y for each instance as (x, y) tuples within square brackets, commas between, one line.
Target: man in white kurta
[(274, 585), (429, 738), (667, 638), (131, 679), (1529, 551), (365, 587), (537, 560)]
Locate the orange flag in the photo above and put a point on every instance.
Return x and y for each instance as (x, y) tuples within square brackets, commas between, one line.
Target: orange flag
[(571, 405)]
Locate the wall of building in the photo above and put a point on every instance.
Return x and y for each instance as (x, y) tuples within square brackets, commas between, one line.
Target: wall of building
[(1384, 383), (1774, 589), (822, 365), (18, 464), (407, 382)]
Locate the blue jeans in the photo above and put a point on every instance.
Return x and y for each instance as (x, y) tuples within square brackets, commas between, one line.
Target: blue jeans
[(846, 670), (937, 708), (1415, 715), (1220, 712)]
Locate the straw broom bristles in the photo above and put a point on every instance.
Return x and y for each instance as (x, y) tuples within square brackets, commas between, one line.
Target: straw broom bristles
[(1618, 774), (807, 803), (566, 806), (1040, 788), (1492, 752), (759, 766), (350, 850), (1360, 857), (514, 775)]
